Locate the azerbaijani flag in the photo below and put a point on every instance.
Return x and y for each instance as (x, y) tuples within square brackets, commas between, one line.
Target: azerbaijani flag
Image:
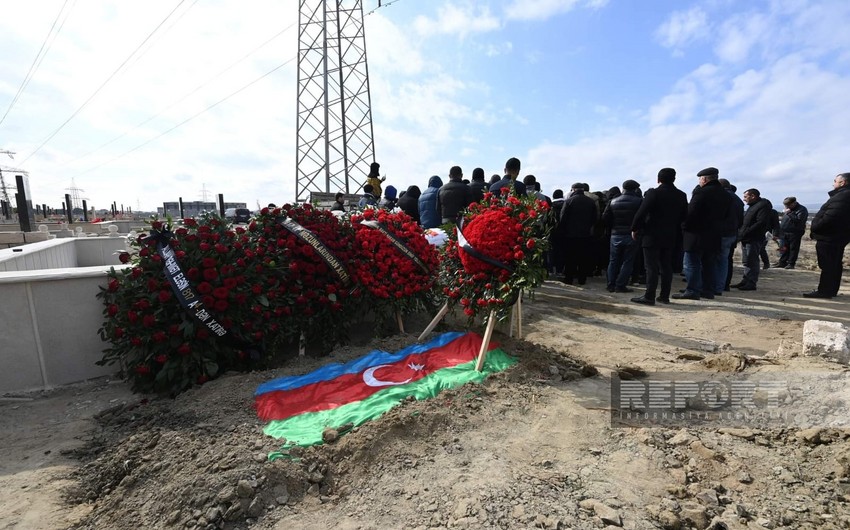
[(300, 407)]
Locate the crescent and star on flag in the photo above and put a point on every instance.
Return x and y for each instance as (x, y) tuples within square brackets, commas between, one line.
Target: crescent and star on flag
[(370, 379)]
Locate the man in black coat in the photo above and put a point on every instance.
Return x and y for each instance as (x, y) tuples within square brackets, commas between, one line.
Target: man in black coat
[(701, 235), (791, 231), (618, 217), (453, 196), (757, 221), (658, 223), (409, 202), (512, 167), (831, 230), (478, 186), (575, 235)]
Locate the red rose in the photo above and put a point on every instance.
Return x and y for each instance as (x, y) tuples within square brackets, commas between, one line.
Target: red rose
[(161, 358), (124, 257), (136, 341), (136, 272), (118, 333), (132, 316), (148, 320), (204, 247), (164, 296), (156, 225), (143, 304), (221, 305), (160, 336), (112, 310), (529, 244), (210, 274), (205, 287), (143, 369), (113, 285), (184, 349), (143, 253), (221, 293), (208, 263), (221, 249)]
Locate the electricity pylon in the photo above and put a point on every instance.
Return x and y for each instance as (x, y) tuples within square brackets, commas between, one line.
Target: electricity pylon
[(334, 116)]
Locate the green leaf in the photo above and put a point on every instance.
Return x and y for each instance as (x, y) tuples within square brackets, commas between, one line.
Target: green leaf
[(263, 300), (210, 368)]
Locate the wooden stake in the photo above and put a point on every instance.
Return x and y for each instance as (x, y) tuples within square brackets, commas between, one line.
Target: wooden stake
[(302, 345), (519, 316), (513, 319), (482, 355), (400, 323), (433, 324)]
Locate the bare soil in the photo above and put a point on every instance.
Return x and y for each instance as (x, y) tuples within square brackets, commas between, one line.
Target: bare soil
[(532, 447)]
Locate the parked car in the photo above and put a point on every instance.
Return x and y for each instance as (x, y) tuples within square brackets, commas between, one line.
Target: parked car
[(238, 215)]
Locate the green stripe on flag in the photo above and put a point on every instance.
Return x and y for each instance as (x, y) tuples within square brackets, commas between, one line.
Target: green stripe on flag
[(306, 429)]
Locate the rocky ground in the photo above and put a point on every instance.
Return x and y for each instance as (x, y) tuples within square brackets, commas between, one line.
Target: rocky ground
[(533, 447)]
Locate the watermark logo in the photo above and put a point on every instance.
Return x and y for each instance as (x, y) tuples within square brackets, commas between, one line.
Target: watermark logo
[(676, 400)]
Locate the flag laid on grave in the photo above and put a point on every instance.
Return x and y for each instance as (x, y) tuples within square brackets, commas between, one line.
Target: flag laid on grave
[(299, 408)]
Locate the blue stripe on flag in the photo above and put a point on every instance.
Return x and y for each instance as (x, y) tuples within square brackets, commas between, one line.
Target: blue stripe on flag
[(373, 358)]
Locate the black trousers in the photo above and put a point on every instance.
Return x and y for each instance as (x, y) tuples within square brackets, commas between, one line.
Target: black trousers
[(578, 258), (791, 249), (658, 260), (830, 257)]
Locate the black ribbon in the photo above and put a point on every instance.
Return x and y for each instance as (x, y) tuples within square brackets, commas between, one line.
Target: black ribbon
[(397, 242), (189, 299), (321, 249), (469, 249)]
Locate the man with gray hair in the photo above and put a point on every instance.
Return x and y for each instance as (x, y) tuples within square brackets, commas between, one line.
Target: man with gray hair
[(831, 230)]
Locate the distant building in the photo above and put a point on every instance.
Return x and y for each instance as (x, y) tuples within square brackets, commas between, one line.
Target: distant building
[(194, 208)]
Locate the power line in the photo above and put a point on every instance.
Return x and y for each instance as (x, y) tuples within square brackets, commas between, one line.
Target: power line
[(196, 89), (380, 5), (190, 118), (36, 62), (108, 79)]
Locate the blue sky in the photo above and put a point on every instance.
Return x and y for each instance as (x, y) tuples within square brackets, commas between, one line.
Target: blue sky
[(597, 91)]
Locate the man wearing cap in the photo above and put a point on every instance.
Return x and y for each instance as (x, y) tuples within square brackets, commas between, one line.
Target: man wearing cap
[(574, 233), (831, 230), (757, 221), (658, 223), (453, 196), (618, 217), (791, 230), (701, 235)]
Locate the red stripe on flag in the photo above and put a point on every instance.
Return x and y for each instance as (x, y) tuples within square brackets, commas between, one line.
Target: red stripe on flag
[(347, 388)]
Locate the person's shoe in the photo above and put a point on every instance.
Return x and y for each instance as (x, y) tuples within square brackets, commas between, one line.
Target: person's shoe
[(643, 300), (623, 290), (663, 300), (816, 294), (686, 296), (718, 294), (581, 281), (789, 267), (779, 265), (727, 289), (765, 266), (739, 285), (707, 296), (610, 289), (747, 288)]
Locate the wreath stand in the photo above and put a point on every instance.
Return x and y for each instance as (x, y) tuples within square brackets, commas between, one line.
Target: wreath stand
[(516, 317)]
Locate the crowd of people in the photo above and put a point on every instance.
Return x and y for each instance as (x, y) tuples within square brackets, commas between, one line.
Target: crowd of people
[(632, 238)]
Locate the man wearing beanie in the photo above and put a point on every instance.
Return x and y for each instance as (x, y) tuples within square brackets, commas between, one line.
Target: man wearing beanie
[(791, 230), (478, 186), (701, 235), (618, 217), (390, 198), (374, 179), (453, 196), (657, 224)]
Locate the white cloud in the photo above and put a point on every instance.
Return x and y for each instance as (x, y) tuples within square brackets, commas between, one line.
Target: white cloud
[(457, 20), (738, 35), (682, 29), (543, 9)]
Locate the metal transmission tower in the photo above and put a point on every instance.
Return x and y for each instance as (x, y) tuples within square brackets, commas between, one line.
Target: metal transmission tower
[(334, 121)]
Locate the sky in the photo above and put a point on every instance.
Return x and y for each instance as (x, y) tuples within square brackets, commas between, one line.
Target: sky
[(139, 103)]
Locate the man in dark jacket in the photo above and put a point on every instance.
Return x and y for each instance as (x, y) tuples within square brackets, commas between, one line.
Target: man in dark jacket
[(729, 239), (409, 202), (390, 198), (453, 196), (477, 187), (701, 234), (618, 217), (658, 223), (757, 221), (575, 235), (831, 230), (339, 202), (512, 167), (429, 215), (791, 231), (556, 268)]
